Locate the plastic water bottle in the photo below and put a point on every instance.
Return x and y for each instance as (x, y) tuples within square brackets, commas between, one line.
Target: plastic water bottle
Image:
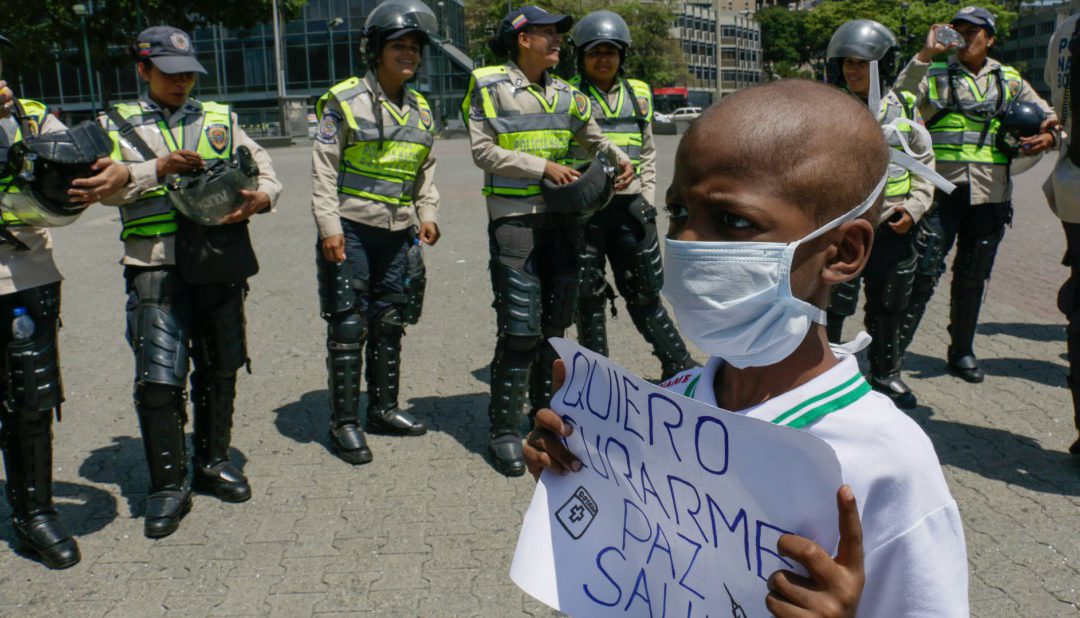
[(22, 327), (414, 262), (947, 36)]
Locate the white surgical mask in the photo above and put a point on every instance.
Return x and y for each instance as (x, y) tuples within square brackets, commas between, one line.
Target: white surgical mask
[(733, 299)]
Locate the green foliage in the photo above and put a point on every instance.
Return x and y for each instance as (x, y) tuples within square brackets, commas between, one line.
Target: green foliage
[(655, 57), (43, 26), (801, 37)]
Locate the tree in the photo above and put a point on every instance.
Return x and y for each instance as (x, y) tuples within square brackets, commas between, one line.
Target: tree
[(655, 57), (782, 34), (114, 24)]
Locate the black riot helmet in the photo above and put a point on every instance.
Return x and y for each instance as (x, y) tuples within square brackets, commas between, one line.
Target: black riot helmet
[(600, 27), (393, 19), (864, 39), (585, 196), (206, 195), (43, 167), (1019, 119)]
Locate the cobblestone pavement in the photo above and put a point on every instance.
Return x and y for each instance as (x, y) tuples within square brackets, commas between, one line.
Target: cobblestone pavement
[(428, 528)]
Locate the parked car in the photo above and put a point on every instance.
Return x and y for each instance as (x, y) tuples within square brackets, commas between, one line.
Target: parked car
[(682, 114)]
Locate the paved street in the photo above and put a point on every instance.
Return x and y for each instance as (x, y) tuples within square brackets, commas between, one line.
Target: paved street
[(428, 528)]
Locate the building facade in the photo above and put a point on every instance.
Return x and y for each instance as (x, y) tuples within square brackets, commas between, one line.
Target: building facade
[(240, 64), (722, 48), (740, 60), (1031, 32)]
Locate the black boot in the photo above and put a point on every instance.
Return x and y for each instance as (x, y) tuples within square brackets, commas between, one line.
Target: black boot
[(383, 377), (509, 387), (346, 437), (654, 324), (963, 319), (27, 445), (1073, 343), (161, 420), (886, 358), (213, 393)]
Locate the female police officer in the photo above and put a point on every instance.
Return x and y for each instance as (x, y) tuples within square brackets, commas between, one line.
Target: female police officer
[(372, 172), (178, 306), (521, 119)]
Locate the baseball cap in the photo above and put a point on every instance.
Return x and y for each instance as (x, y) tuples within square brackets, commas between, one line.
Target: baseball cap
[(536, 16), (978, 16), (170, 49)]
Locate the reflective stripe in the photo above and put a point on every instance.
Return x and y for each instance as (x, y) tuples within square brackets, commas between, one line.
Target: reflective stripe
[(145, 207), (531, 122), (375, 188), (397, 134), (967, 137)]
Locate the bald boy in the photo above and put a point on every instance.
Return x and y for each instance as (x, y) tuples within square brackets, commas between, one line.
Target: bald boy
[(765, 219)]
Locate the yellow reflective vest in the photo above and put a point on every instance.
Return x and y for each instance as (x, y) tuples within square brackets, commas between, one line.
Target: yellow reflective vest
[(546, 134), (898, 185), (381, 163), (11, 134), (965, 129), (624, 123), (152, 214)]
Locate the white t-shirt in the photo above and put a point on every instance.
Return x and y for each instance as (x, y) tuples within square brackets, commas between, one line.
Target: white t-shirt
[(916, 559)]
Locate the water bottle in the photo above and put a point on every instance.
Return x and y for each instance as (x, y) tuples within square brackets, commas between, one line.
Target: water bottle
[(414, 260), (22, 327), (947, 36)]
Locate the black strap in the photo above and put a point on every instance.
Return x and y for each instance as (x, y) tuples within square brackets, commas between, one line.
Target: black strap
[(24, 119), (128, 132), (639, 115), (27, 130)]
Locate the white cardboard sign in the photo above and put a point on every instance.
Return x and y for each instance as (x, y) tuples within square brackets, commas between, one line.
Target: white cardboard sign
[(678, 507)]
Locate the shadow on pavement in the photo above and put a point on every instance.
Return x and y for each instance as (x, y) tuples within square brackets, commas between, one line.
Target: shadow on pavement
[(1031, 332), (483, 374), (83, 510), (1001, 455), (1047, 373), (307, 420), (124, 464)]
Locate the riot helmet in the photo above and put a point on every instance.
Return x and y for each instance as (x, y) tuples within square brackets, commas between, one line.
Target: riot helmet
[(600, 27), (1019, 119), (393, 19), (43, 167), (864, 39), (585, 196), (208, 194)]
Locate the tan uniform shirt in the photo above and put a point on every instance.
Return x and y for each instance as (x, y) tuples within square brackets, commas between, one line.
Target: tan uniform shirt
[(328, 205), (489, 157), (989, 183), (161, 251), (645, 182), (22, 270), (921, 196)]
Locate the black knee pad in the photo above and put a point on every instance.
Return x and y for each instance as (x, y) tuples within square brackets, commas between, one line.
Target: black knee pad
[(560, 299), (642, 276), (344, 329), (151, 395), (517, 301), (337, 286), (221, 341), (389, 323), (898, 284), (845, 298), (520, 344)]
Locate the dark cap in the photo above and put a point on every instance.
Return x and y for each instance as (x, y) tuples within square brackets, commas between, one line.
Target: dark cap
[(536, 16), (170, 49), (978, 16)]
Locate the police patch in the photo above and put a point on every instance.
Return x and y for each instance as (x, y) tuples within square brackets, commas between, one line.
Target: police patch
[(425, 118), (328, 127), (643, 104), (180, 41), (33, 124), (218, 135), (1015, 86), (581, 103)]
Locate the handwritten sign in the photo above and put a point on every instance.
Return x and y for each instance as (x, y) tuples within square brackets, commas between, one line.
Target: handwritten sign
[(678, 507)]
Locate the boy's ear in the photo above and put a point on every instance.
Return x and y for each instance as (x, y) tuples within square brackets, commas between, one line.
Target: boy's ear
[(850, 253)]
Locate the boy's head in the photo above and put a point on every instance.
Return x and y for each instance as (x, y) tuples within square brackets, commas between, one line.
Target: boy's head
[(167, 63), (775, 162)]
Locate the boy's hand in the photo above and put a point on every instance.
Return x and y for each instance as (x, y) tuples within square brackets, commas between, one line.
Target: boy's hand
[(543, 447), (835, 584)]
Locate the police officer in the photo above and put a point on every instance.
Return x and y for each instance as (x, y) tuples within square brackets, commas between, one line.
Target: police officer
[(30, 285), (860, 51), (625, 231), (177, 307), (1062, 189), (374, 201), (521, 119), (960, 98)]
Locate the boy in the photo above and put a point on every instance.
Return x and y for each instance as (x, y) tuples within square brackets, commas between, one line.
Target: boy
[(764, 223)]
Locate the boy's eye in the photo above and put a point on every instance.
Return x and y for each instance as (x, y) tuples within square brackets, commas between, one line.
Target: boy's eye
[(734, 221), (676, 211)]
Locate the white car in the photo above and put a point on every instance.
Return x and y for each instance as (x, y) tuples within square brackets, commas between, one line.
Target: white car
[(683, 114)]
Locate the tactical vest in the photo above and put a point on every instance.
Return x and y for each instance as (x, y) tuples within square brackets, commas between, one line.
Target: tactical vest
[(381, 163), (965, 131), (152, 214), (624, 123), (546, 134), (11, 134), (899, 183)]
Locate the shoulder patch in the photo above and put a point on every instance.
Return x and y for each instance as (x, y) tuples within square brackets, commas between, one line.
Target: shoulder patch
[(1015, 86), (425, 118), (329, 126), (581, 104), (218, 136)]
